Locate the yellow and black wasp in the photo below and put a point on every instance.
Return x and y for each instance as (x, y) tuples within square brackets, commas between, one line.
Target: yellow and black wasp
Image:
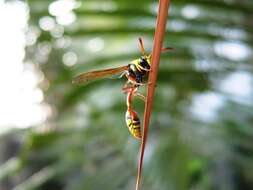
[(132, 119), (134, 72)]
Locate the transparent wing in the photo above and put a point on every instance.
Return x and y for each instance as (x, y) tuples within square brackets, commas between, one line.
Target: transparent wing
[(88, 76)]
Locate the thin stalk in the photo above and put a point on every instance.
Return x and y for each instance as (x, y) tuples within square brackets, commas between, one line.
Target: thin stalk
[(155, 59)]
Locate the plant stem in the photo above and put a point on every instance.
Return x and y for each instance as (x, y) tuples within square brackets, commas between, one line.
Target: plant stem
[(156, 52)]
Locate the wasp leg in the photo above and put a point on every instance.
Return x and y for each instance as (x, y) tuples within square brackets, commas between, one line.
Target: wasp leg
[(141, 96), (126, 87), (144, 69), (123, 74), (139, 83)]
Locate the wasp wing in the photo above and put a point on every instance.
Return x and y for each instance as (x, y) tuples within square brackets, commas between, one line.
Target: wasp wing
[(86, 77)]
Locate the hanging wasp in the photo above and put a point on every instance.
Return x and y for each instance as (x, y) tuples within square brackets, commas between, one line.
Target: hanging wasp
[(132, 119), (134, 72)]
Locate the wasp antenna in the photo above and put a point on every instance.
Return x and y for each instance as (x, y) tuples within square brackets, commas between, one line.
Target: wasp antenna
[(142, 46), (167, 49)]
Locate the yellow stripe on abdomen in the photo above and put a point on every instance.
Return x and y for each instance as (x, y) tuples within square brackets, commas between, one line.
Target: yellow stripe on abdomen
[(133, 123)]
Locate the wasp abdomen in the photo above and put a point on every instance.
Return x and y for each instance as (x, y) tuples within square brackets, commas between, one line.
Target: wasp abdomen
[(133, 123)]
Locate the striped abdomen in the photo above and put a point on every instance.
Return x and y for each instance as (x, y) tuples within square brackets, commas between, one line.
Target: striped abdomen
[(133, 123)]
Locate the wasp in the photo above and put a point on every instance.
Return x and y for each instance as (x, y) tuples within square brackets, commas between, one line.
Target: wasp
[(131, 117), (135, 71)]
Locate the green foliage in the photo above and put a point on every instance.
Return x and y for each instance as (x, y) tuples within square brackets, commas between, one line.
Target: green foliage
[(85, 143)]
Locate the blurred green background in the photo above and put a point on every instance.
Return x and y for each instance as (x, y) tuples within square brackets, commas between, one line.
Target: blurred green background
[(201, 133)]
